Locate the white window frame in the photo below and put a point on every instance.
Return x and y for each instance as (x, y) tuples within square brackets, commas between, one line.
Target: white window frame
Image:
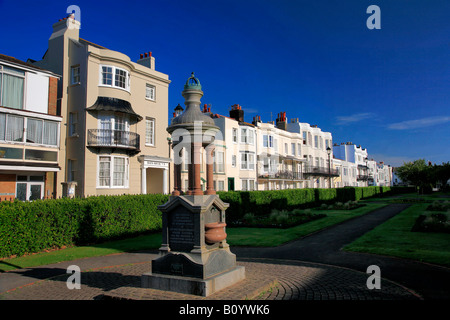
[(114, 69), (23, 76), (249, 184), (150, 92), (244, 138), (30, 183), (25, 128), (235, 135), (233, 161), (247, 160), (150, 141), (111, 172), (218, 161)]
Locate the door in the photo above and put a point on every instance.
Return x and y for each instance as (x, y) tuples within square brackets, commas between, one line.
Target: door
[(29, 188), (105, 133), (230, 184)]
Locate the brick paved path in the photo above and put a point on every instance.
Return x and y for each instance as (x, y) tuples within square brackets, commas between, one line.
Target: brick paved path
[(266, 280)]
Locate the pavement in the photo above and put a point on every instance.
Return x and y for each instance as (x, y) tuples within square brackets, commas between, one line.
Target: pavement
[(311, 268)]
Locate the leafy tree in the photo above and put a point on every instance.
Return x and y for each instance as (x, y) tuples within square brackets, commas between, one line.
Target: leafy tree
[(423, 175)]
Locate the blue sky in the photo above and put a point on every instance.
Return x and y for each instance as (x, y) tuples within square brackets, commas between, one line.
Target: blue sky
[(386, 90)]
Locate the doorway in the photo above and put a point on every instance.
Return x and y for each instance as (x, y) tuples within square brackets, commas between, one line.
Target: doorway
[(230, 184), (29, 188)]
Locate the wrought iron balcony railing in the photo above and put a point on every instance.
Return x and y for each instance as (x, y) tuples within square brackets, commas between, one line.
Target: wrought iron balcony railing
[(321, 171), (282, 175), (113, 139)]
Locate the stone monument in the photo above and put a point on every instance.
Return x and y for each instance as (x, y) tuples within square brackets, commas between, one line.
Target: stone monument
[(194, 256)]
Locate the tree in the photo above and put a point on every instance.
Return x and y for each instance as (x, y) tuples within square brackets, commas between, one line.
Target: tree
[(416, 173), (424, 176)]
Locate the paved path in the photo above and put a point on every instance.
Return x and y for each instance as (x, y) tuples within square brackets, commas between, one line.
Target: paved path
[(432, 282), (309, 268)]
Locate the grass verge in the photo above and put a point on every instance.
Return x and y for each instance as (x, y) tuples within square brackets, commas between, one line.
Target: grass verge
[(395, 238), (143, 242), (272, 237)]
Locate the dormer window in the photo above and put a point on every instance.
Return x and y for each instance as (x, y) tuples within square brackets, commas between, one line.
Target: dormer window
[(114, 77)]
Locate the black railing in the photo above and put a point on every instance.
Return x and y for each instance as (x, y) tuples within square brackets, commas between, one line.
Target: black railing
[(285, 174), (113, 139), (362, 177), (321, 171)]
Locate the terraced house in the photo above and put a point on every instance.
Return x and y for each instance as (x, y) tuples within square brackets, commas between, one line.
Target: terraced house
[(116, 113), (29, 131)]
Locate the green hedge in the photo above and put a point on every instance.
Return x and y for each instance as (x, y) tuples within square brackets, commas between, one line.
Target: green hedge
[(42, 224), (38, 225)]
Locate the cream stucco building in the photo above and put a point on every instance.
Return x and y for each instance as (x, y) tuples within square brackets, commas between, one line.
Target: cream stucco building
[(116, 113)]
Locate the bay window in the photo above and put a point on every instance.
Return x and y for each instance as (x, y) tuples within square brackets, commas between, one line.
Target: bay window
[(247, 161), (114, 77)]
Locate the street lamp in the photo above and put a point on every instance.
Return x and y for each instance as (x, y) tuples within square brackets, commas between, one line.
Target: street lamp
[(169, 142), (329, 166)]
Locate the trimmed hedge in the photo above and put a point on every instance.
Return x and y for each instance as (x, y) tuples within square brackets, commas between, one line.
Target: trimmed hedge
[(42, 224), (27, 227)]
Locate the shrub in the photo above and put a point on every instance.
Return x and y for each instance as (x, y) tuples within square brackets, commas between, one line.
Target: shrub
[(432, 222), (27, 227)]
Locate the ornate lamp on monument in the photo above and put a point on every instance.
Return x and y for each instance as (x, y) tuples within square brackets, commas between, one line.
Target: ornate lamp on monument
[(194, 256)]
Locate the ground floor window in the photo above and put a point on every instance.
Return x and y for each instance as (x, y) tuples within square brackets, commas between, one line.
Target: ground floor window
[(248, 184), (112, 171), (29, 187)]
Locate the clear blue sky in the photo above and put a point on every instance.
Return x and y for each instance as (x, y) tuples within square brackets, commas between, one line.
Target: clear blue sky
[(387, 90)]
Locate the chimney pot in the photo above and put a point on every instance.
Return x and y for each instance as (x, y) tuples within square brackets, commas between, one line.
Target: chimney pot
[(149, 53), (145, 54), (142, 56)]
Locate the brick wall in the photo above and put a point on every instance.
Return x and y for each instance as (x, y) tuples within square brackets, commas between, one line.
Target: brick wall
[(52, 96), (7, 186)]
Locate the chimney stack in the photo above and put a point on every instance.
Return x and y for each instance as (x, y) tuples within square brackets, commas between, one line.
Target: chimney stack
[(147, 60), (256, 119), (237, 113), (281, 121)]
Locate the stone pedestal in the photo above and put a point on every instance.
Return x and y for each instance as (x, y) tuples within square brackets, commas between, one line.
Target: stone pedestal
[(194, 256)]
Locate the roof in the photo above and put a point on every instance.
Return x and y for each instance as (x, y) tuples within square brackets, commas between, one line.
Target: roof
[(24, 64), (91, 43), (115, 105)]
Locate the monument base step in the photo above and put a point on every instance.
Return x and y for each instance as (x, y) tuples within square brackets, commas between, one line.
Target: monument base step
[(196, 286)]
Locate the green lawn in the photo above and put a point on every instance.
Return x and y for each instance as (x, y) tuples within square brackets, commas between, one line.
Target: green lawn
[(236, 237), (151, 241), (271, 237), (394, 238)]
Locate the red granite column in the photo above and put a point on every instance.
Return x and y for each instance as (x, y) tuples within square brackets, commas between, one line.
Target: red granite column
[(196, 167), (209, 170)]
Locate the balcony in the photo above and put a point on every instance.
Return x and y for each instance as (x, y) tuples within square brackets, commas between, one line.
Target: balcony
[(362, 177), (105, 138), (282, 175), (320, 171)]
